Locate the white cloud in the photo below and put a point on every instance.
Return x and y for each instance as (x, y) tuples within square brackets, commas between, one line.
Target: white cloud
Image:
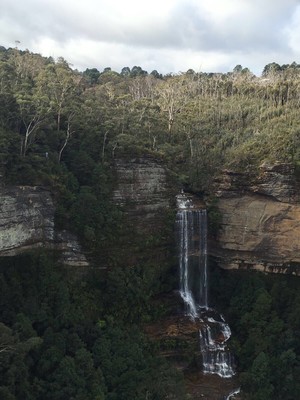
[(167, 35), (293, 32)]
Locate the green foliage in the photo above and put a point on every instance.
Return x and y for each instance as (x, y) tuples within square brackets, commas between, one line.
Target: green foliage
[(257, 382), (91, 75), (76, 341), (197, 122), (63, 340), (261, 313), (214, 216)]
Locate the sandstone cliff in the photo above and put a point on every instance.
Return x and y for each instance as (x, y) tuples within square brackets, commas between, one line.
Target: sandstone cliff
[(27, 212), (143, 190), (260, 225), (27, 222)]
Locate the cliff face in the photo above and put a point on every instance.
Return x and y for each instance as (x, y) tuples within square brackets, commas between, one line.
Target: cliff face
[(260, 226), (145, 195), (27, 213), (26, 218), (142, 190), (27, 222)]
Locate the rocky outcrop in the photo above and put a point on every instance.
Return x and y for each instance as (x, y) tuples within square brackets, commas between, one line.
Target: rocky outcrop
[(27, 222), (277, 181), (177, 337), (142, 190), (260, 225), (27, 213), (144, 193)]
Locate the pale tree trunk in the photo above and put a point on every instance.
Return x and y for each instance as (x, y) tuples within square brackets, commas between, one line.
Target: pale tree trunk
[(60, 99), (58, 120), (191, 145), (104, 143), (114, 149), (69, 134), (30, 128), (154, 143), (171, 119), (6, 349)]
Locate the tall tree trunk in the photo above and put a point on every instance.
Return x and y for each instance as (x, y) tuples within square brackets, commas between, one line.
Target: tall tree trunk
[(68, 136)]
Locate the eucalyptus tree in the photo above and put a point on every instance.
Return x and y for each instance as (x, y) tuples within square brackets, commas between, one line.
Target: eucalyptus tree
[(8, 106), (34, 111), (137, 71), (61, 85), (172, 95), (104, 115), (156, 74), (272, 69), (91, 75), (69, 133), (125, 71), (7, 77), (26, 65)]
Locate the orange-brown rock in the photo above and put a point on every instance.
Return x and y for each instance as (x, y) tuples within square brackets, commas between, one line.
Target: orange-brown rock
[(260, 225), (174, 326), (184, 354)]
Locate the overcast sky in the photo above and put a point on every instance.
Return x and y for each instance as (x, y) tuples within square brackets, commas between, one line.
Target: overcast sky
[(166, 35)]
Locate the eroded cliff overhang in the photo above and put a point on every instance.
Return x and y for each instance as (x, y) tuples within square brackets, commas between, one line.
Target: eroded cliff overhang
[(27, 222), (260, 225), (277, 181)]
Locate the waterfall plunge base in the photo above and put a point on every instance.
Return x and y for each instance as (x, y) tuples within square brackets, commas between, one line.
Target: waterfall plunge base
[(216, 358)]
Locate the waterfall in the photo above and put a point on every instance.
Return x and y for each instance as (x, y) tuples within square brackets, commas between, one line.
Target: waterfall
[(192, 245), (232, 394), (216, 359)]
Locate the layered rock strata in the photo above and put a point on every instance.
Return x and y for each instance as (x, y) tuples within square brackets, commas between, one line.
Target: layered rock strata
[(27, 222), (142, 190), (260, 225)]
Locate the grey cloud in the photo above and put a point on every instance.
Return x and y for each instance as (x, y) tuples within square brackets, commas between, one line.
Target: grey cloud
[(257, 28), (261, 29), (187, 26), (32, 19)]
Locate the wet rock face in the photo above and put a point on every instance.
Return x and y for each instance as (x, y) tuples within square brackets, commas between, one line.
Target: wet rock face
[(27, 222), (260, 225)]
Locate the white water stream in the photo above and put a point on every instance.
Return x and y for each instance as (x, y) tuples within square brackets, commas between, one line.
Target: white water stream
[(216, 359), (192, 245), (233, 393)]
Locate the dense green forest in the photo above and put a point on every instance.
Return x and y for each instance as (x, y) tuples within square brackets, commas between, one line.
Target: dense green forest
[(263, 312), (61, 339), (64, 338)]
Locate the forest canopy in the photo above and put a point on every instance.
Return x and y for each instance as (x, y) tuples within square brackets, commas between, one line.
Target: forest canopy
[(63, 129), (197, 122)]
